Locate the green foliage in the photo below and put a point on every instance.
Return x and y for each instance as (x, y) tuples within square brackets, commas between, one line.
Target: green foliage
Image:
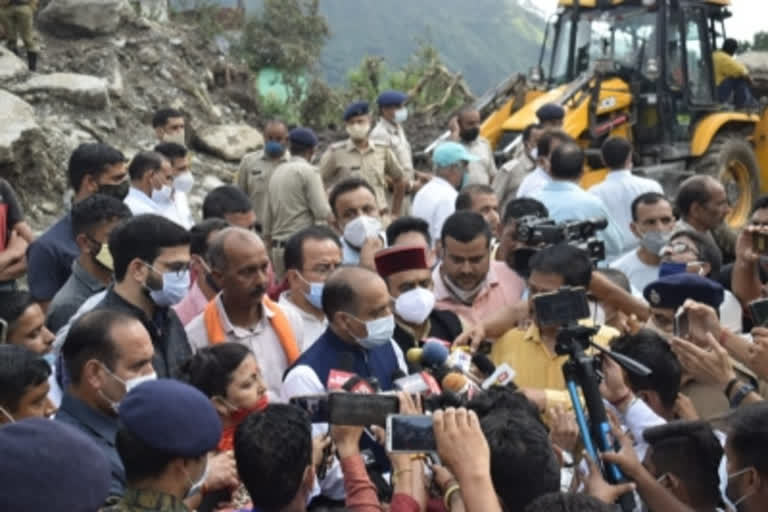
[(288, 35), (200, 12), (759, 43), (271, 107)]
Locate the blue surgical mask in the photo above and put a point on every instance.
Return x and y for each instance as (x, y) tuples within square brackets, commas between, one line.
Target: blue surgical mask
[(175, 287), (274, 149), (315, 294), (669, 268), (380, 331)]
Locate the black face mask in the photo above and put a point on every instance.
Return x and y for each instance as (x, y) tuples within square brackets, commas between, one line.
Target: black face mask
[(118, 191), (470, 134)]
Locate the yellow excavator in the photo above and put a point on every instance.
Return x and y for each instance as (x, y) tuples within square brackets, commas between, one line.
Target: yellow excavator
[(641, 69)]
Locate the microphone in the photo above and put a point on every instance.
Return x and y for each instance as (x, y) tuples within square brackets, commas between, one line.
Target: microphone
[(458, 383), (493, 375), (434, 354), (345, 378), (484, 365)]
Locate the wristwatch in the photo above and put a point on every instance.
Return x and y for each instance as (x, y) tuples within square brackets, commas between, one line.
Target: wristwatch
[(741, 394)]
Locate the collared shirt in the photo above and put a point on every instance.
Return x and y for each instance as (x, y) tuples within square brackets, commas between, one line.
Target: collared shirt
[(375, 164), (502, 287), (145, 500), (253, 177), (617, 192), (535, 366), (392, 136), (49, 259), (727, 67), (177, 210), (139, 203), (681, 225), (509, 178), (71, 296), (435, 202), (533, 182), (296, 199), (260, 338), (99, 427), (191, 305), (306, 326), (165, 329), (483, 171), (568, 201)]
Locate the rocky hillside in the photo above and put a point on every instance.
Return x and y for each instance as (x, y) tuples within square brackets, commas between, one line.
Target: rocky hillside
[(102, 73)]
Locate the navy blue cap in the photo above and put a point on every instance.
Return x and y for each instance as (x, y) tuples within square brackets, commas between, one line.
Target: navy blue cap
[(358, 108), (550, 112), (303, 136), (391, 98), (171, 416), (48, 465), (670, 292)]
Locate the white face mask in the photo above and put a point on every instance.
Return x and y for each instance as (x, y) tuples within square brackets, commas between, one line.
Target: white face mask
[(360, 229), (414, 306), (358, 131), (401, 115), (178, 137), (184, 182), (163, 195), (380, 332), (7, 414), (128, 384)]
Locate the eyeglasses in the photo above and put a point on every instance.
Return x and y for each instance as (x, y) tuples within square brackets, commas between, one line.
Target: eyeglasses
[(172, 267)]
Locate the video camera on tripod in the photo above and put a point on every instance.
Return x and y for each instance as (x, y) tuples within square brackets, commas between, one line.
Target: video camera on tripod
[(534, 231), (564, 309)]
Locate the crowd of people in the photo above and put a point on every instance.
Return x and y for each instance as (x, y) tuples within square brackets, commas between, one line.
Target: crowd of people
[(155, 358)]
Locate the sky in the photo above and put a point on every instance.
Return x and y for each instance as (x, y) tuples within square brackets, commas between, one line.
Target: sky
[(749, 17)]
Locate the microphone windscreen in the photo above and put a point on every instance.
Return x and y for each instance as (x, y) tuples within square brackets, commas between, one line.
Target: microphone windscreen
[(434, 354), (413, 355), (483, 364), (454, 382)]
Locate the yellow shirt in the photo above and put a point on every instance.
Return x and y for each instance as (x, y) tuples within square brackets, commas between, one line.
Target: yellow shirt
[(535, 366), (727, 67)]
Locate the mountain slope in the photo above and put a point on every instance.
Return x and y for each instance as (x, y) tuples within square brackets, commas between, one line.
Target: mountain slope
[(486, 40)]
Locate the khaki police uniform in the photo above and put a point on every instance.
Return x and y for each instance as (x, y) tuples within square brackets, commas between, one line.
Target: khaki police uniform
[(253, 178), (374, 164), (482, 171), (392, 136), (510, 177), (296, 200), (17, 17)]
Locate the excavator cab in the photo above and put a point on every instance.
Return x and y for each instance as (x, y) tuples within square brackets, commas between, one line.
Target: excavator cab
[(643, 69)]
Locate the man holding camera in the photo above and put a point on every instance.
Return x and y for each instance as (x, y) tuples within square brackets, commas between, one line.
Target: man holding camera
[(531, 352), (566, 200)]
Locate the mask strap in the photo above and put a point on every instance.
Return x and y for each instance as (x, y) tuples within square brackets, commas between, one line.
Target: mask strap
[(7, 414)]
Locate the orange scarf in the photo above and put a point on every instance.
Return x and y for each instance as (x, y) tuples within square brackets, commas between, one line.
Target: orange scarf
[(215, 328)]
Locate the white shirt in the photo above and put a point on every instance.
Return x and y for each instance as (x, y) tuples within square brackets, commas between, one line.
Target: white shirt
[(481, 172), (435, 202), (533, 182), (178, 210), (139, 203), (307, 327), (617, 192), (731, 313), (640, 274), (260, 338)]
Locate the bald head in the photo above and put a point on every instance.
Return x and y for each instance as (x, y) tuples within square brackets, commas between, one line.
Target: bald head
[(352, 290), (702, 202), (227, 242)]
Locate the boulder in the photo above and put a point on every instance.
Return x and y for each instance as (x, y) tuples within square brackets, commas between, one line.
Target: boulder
[(156, 10), (229, 141), (83, 18), (10, 65), (18, 123), (85, 90)]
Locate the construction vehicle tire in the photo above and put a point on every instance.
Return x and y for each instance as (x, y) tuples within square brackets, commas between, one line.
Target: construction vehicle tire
[(731, 159)]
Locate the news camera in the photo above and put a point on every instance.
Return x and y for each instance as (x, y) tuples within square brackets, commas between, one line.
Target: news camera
[(535, 231)]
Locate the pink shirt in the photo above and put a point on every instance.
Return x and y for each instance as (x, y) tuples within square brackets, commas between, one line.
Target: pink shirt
[(191, 305), (502, 287)]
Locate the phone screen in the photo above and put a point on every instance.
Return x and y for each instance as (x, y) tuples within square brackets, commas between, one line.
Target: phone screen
[(410, 434), (561, 308), (681, 324), (760, 242), (759, 311), (315, 405), (361, 409)]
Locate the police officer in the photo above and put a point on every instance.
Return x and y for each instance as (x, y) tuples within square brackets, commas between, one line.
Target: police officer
[(257, 168), (165, 463), (17, 17), (359, 156), (296, 198), (551, 116)]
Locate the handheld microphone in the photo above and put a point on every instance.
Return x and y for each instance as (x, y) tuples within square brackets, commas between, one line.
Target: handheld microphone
[(484, 365), (493, 375), (345, 379), (458, 383)]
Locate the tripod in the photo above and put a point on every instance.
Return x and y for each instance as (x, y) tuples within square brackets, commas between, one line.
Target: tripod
[(581, 372)]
